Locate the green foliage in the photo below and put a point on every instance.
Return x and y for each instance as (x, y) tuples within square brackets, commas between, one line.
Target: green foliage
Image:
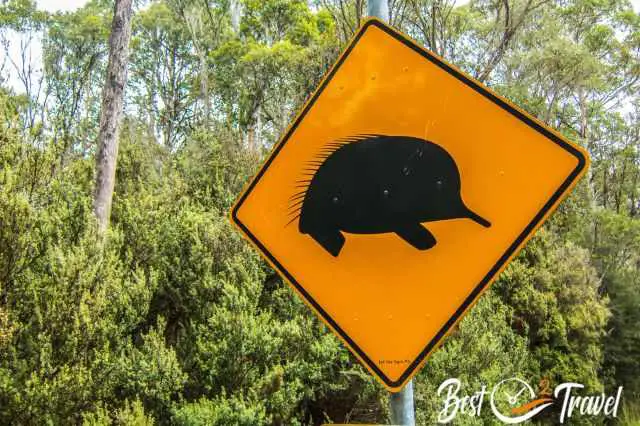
[(618, 256), (21, 15), (162, 64), (481, 352), (73, 55), (630, 413), (553, 290), (130, 415), (222, 411)]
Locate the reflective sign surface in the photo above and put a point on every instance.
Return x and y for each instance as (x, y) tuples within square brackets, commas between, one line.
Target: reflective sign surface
[(398, 194)]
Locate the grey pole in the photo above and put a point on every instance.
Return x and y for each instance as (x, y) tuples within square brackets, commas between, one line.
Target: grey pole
[(401, 403), (379, 9)]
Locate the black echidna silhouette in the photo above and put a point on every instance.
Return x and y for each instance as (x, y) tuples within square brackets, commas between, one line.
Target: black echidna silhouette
[(372, 184)]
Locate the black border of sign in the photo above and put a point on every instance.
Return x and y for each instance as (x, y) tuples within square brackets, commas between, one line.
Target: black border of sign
[(582, 161)]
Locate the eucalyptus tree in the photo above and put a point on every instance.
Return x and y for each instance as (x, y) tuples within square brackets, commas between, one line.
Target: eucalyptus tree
[(266, 71), (347, 14), (111, 110), (209, 24), (21, 28), (74, 55), (164, 69)]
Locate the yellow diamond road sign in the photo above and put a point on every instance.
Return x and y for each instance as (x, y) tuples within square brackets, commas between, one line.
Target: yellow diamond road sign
[(399, 193)]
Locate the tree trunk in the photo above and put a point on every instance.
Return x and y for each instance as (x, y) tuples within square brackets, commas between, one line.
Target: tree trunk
[(253, 132), (111, 111), (236, 15), (204, 86)]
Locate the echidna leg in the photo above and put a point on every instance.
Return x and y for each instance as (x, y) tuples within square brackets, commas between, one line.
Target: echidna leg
[(331, 240), (417, 235)]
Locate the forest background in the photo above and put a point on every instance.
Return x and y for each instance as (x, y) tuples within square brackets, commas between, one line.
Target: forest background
[(171, 318)]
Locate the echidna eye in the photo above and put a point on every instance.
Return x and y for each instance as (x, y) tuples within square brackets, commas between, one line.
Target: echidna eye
[(439, 184), (335, 199), (385, 192)]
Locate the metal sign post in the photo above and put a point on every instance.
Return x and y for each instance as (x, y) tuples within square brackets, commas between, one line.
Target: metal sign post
[(378, 9), (400, 403), (401, 406)]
